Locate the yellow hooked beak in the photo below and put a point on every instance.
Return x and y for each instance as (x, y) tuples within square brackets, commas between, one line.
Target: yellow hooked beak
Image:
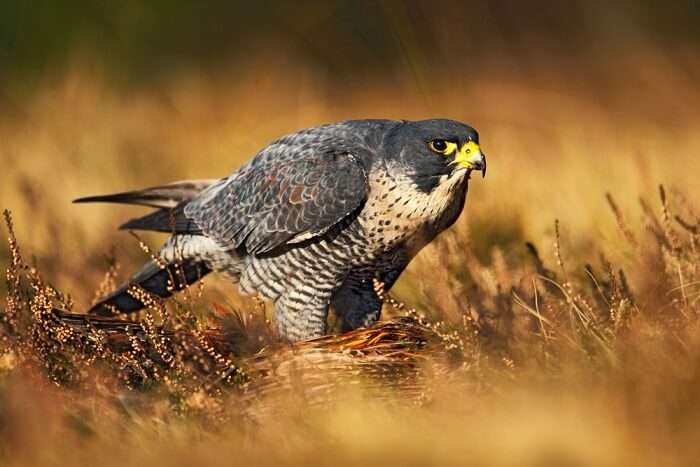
[(470, 157)]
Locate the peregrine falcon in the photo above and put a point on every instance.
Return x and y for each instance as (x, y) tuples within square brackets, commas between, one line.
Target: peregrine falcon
[(310, 221)]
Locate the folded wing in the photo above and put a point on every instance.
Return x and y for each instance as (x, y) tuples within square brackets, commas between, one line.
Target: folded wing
[(164, 196), (267, 203), (170, 200), (272, 202)]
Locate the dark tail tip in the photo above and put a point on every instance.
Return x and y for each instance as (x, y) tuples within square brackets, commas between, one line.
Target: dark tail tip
[(87, 199), (161, 282)]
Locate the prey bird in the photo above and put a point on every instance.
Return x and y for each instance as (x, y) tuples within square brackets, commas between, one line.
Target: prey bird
[(311, 221)]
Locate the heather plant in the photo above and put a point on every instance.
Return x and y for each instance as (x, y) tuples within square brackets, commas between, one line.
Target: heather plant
[(507, 322)]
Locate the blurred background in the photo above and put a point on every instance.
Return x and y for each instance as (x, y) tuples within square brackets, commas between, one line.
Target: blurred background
[(572, 100)]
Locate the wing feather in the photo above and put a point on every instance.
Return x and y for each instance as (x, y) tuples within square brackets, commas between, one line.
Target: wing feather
[(272, 202), (167, 220), (170, 200), (164, 196), (295, 189)]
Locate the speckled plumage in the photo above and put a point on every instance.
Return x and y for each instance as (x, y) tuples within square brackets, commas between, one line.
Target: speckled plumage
[(313, 218)]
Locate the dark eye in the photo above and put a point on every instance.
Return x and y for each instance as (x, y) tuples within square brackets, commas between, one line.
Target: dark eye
[(438, 145)]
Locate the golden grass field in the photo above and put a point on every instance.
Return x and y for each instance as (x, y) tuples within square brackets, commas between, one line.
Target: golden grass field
[(586, 353)]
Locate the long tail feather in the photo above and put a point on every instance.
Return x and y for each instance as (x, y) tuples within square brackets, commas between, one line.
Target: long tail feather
[(156, 280), (165, 196), (164, 220)]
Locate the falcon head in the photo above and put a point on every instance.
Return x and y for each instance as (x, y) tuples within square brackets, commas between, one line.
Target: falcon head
[(433, 151)]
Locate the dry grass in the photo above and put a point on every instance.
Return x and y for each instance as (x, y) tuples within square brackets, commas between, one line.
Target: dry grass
[(533, 342)]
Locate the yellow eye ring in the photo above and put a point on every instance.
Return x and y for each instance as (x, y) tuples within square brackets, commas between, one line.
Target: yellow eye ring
[(442, 147)]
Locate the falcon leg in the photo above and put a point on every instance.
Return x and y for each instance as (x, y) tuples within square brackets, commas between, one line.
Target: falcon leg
[(356, 304), (300, 317)]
